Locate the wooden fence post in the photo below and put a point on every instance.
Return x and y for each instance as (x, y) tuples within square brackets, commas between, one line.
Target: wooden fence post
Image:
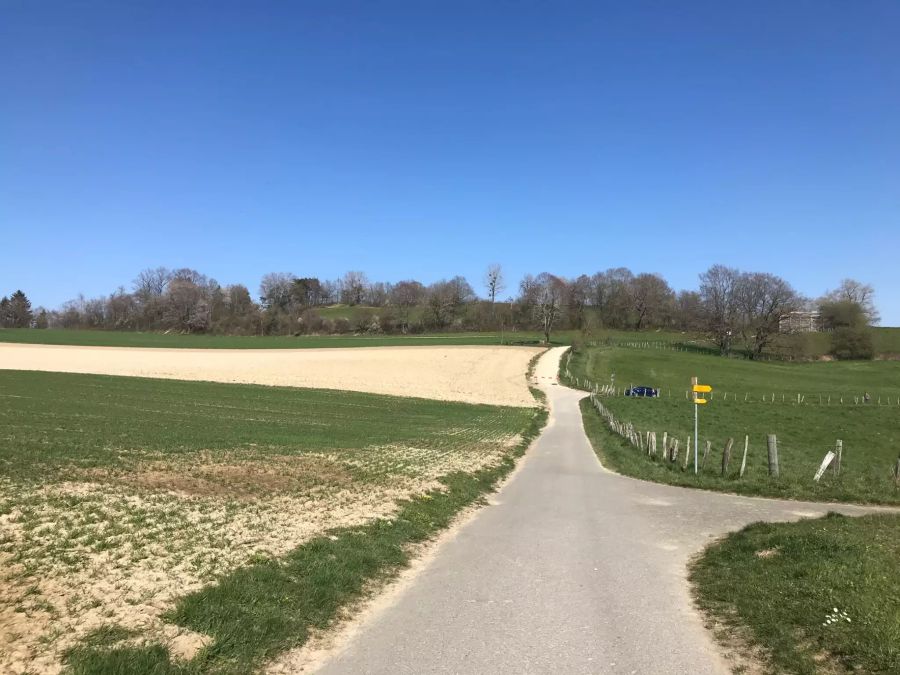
[(726, 455), (829, 458), (772, 444), (687, 454), (706, 449), (897, 473), (744, 460), (839, 454)]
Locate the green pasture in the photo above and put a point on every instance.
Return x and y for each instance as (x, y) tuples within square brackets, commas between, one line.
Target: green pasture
[(756, 399), (818, 596)]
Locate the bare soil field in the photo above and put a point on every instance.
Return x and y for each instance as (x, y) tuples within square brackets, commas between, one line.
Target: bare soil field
[(471, 374)]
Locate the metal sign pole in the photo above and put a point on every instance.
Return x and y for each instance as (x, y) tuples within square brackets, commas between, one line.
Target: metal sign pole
[(694, 400), (695, 437)]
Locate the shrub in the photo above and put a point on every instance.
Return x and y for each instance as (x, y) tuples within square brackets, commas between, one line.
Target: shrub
[(852, 343)]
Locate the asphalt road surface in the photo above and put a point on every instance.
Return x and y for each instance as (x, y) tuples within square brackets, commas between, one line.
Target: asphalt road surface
[(573, 569)]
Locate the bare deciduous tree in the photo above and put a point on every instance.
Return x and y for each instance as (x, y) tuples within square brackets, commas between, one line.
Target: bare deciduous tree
[(689, 311), (494, 282), (651, 299), (353, 287), (276, 289), (859, 293), (611, 296), (762, 299), (405, 295), (151, 282), (550, 291), (717, 290), (578, 294)]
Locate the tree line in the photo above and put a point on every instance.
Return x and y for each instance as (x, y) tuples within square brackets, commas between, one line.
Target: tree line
[(730, 306)]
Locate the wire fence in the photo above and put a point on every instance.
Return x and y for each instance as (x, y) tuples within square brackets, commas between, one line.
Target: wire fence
[(781, 398)]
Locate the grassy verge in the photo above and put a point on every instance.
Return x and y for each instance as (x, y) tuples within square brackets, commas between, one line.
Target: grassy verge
[(266, 608), (817, 596), (805, 431)]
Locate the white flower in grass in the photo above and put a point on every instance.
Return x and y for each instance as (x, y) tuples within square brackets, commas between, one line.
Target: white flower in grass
[(835, 616)]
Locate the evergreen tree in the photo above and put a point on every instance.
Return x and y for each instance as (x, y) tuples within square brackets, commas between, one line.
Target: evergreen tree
[(5, 314), (20, 310)]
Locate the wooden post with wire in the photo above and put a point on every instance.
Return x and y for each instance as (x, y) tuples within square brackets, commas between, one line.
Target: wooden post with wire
[(726, 456), (744, 460), (838, 456), (772, 446)]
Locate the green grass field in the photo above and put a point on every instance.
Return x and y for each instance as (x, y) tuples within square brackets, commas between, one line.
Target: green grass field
[(818, 596), (102, 338), (806, 431), (134, 508), (887, 340)]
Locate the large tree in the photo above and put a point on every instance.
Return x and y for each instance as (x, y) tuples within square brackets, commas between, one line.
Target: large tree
[(148, 289), (578, 293), (186, 305), (762, 300), (276, 291), (404, 296), (847, 321), (494, 282), (19, 310), (307, 292), (720, 312), (689, 311), (859, 293), (353, 287), (550, 292), (651, 299), (611, 296)]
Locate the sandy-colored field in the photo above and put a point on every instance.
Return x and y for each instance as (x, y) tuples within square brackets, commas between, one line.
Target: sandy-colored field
[(473, 374)]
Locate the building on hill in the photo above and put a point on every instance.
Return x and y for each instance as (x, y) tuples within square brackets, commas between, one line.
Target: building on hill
[(800, 322)]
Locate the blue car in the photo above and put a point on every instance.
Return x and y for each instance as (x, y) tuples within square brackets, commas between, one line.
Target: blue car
[(642, 391)]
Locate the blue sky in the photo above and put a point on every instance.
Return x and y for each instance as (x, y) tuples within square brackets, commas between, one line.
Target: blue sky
[(428, 139)]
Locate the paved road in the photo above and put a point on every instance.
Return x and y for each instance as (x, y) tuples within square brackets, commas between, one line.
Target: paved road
[(574, 570)]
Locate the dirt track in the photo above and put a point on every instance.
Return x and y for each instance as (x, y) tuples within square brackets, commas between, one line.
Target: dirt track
[(474, 374)]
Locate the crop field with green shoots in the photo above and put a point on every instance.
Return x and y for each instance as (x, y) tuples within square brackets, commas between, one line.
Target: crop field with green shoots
[(120, 497)]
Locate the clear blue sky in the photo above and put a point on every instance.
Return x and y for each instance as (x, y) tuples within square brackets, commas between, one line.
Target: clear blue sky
[(427, 139)]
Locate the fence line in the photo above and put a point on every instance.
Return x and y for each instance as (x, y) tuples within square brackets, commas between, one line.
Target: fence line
[(645, 442), (825, 400)]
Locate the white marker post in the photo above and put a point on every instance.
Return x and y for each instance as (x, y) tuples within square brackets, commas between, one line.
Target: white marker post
[(697, 389)]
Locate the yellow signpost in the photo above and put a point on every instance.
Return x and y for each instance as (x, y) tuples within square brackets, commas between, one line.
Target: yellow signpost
[(698, 389)]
